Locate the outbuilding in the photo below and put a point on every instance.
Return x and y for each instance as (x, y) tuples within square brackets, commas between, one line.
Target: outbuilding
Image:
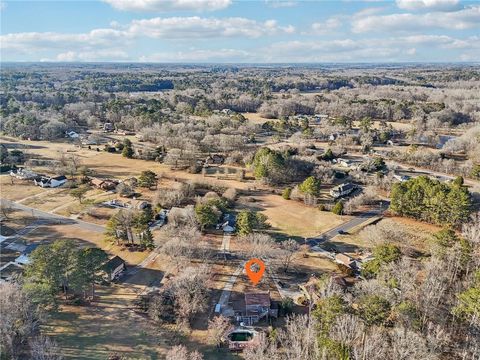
[(114, 267)]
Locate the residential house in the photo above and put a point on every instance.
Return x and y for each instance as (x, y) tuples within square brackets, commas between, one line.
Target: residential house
[(137, 204), (344, 259), (24, 258), (215, 159), (401, 178), (342, 190), (10, 272), (104, 184), (348, 261), (72, 134), (114, 267), (257, 307), (108, 127), (344, 162), (318, 118), (51, 182), (228, 224), (23, 174)]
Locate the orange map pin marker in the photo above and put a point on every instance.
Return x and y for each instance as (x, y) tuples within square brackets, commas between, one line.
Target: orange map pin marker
[(255, 277)]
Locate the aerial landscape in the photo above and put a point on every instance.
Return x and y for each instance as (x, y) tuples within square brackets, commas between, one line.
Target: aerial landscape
[(221, 179)]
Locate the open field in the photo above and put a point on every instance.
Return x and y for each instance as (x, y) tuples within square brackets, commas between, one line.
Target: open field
[(417, 235), (92, 332), (397, 125), (19, 190), (294, 218), (255, 118)]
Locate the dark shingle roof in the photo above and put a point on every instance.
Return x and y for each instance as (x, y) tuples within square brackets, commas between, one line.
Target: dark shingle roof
[(113, 263)]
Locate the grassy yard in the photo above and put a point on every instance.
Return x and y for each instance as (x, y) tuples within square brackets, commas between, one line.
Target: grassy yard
[(294, 218), (109, 325)]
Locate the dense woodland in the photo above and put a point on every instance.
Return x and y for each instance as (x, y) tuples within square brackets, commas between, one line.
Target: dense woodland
[(177, 107)]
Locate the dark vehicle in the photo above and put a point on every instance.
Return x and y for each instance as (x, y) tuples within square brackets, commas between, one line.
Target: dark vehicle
[(312, 243), (341, 232)]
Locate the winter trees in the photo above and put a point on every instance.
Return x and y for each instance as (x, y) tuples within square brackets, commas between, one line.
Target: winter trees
[(185, 295), (19, 320), (218, 327)]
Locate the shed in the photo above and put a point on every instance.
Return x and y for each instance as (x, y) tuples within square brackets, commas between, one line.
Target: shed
[(114, 267)]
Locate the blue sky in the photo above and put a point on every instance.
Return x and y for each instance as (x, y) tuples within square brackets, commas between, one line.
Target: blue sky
[(227, 31)]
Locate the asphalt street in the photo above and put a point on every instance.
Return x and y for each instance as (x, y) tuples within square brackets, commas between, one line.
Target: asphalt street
[(346, 227), (44, 215)]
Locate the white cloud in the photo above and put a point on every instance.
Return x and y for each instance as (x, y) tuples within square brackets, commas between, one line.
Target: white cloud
[(405, 48), (169, 5), (281, 3), (327, 26), (50, 40), (198, 27), (435, 5), (467, 18), (97, 55), (119, 37), (104, 43)]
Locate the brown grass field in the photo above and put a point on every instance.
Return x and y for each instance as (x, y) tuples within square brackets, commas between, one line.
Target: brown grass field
[(255, 118)]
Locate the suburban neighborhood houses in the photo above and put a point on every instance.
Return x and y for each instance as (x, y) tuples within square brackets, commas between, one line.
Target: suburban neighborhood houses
[(269, 180), (167, 238)]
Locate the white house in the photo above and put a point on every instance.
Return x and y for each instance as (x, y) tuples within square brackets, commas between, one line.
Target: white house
[(401, 178), (51, 182), (72, 134), (342, 190)]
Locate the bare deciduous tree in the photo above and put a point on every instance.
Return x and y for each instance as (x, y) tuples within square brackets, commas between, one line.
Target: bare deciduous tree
[(217, 328), (259, 245), (44, 348), (288, 250), (19, 319), (180, 352), (299, 339)]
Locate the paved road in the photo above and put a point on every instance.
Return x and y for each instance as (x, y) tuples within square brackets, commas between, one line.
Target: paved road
[(352, 223), (53, 217), (423, 171)]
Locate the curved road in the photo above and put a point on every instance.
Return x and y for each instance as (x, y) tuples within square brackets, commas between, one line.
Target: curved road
[(357, 220)]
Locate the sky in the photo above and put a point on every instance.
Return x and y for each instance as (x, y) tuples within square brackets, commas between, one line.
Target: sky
[(230, 31)]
